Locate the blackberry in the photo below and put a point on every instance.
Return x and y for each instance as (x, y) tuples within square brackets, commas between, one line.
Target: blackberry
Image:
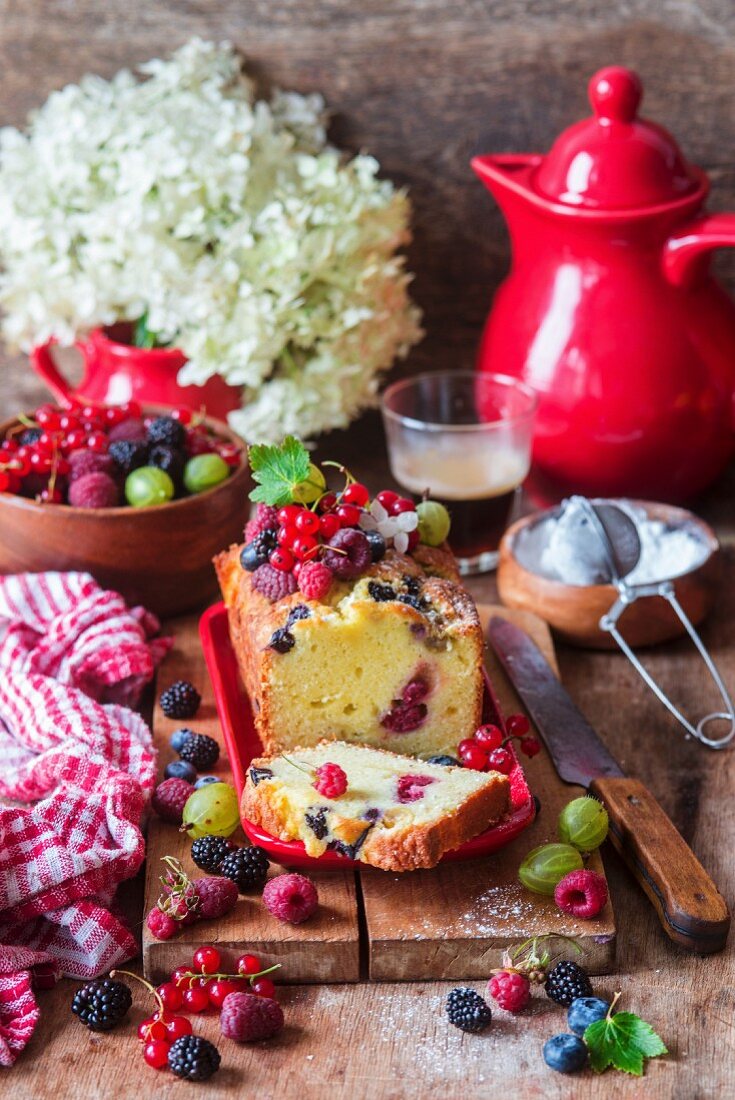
[(381, 593), (419, 603), (257, 775), (128, 454), (376, 542), (246, 867), (317, 822), (300, 611), (467, 1010), (565, 982), (209, 851), (193, 1058), (411, 584), (282, 640), (447, 761), (169, 459), (201, 751), (351, 851), (256, 552), (102, 1004), (30, 435), (167, 431), (181, 700)]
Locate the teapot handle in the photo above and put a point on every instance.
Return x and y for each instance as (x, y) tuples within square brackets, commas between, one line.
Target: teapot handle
[(686, 253), (45, 366)]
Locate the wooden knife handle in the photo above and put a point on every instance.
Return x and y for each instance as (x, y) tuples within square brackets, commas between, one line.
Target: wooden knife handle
[(691, 909)]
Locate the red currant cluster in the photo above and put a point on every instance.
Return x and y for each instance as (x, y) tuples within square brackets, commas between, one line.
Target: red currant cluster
[(487, 750), (39, 457)]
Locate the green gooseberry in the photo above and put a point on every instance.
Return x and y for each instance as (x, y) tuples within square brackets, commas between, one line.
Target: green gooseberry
[(204, 472), (544, 867), (148, 486)]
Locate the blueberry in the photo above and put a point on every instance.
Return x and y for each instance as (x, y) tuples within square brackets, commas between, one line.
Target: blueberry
[(204, 779), (178, 737), (585, 1011), (376, 542), (179, 769), (447, 761), (565, 1053)]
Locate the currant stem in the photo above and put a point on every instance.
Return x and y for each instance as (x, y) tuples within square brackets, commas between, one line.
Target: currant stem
[(614, 1001), (152, 989), (194, 975)]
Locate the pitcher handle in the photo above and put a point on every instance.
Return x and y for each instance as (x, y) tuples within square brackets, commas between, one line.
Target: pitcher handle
[(45, 365), (686, 253)]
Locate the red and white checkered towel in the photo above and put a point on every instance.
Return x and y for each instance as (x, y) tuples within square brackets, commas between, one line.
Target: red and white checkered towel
[(82, 762)]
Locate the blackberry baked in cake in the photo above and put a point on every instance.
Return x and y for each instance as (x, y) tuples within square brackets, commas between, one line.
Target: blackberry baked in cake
[(387, 810), (346, 625)]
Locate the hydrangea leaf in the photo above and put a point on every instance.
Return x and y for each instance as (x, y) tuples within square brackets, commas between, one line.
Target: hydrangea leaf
[(622, 1041), (278, 470)]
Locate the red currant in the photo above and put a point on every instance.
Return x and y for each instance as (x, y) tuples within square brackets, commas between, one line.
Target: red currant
[(401, 504), (178, 976), (288, 514), (501, 760), (51, 496), (304, 547), (530, 746), (517, 725), (22, 462), (263, 987), (287, 535), (74, 441), (296, 570), (171, 996), (182, 415), (4, 481), (327, 502), (131, 409), (198, 443), (490, 737), (307, 523), (219, 990), (156, 1053), (282, 559), (387, 498), (196, 999), (207, 959), (249, 964), (230, 452), (114, 415), (98, 442), (329, 525), (151, 1029), (8, 447), (356, 493), (69, 423), (472, 755), (47, 417), (47, 441), (349, 515), (178, 1026), (41, 463), (62, 466), (413, 540)]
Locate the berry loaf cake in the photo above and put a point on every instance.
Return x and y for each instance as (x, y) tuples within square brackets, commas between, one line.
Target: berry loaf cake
[(391, 658), (390, 811)]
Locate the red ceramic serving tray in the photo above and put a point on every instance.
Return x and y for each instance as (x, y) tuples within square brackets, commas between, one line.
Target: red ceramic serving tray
[(243, 745)]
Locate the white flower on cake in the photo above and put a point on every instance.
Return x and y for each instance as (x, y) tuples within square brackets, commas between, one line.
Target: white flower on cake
[(395, 529), (228, 222)]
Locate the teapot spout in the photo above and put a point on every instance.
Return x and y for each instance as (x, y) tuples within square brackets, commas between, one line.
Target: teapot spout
[(507, 172)]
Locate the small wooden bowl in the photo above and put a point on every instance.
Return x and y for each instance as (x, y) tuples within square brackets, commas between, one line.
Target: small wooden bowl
[(574, 611), (160, 557)]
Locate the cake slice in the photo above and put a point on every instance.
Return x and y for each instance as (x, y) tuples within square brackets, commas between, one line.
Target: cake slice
[(396, 813), (391, 659)]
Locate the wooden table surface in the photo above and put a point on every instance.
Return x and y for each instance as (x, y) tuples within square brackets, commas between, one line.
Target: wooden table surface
[(392, 1041)]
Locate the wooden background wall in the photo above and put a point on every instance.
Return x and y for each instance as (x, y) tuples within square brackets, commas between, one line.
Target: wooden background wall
[(423, 84)]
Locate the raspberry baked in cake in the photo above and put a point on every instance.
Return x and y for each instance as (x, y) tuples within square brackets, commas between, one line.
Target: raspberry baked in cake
[(387, 810)]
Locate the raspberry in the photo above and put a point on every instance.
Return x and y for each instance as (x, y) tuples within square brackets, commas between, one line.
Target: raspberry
[(169, 799), (245, 1017), (89, 462), (410, 787), (161, 925), (95, 490), (511, 990), (217, 896), (415, 691), (330, 780), (403, 719), (272, 583), (348, 553), (265, 519), (131, 430), (291, 898), (315, 580), (581, 894)]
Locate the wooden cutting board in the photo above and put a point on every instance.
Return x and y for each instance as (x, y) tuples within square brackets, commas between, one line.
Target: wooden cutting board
[(452, 922)]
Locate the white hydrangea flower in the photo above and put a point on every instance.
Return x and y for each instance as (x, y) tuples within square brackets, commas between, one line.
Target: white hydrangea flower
[(245, 238), (395, 529)]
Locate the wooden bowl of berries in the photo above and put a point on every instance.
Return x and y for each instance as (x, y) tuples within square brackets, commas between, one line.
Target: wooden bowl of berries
[(140, 498)]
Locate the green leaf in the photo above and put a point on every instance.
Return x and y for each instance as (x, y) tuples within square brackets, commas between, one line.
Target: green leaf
[(622, 1041), (278, 470)]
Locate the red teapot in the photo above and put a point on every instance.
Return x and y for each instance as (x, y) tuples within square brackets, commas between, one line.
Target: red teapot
[(610, 311)]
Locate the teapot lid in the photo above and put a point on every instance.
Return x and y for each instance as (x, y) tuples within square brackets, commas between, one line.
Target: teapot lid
[(615, 160)]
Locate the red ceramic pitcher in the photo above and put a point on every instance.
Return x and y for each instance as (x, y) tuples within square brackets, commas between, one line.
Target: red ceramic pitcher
[(116, 372), (610, 311)]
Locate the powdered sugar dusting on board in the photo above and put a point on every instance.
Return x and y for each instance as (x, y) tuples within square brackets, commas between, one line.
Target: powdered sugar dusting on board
[(495, 906)]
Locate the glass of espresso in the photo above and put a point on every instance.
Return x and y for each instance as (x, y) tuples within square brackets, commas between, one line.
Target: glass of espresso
[(463, 438)]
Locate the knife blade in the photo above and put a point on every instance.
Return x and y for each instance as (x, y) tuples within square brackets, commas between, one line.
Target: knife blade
[(690, 908)]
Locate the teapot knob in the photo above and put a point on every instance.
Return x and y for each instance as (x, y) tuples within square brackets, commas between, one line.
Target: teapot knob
[(615, 93)]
